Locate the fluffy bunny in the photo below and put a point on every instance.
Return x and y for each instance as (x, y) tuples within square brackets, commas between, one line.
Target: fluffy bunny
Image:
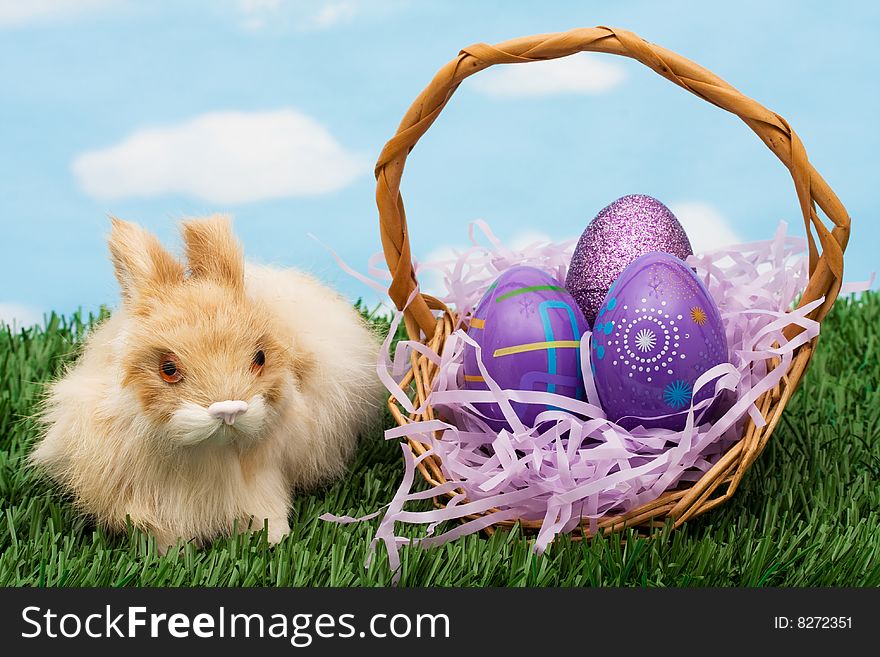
[(217, 389)]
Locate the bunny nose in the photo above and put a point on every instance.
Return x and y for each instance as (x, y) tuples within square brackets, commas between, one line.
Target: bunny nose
[(227, 410)]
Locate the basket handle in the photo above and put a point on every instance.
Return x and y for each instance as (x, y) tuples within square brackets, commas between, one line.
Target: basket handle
[(826, 268)]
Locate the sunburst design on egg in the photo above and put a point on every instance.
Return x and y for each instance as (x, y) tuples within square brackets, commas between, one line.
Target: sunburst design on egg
[(645, 340), (677, 393), (698, 315)]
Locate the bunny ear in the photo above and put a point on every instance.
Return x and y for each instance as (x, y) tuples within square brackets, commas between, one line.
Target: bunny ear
[(143, 267), (212, 250)]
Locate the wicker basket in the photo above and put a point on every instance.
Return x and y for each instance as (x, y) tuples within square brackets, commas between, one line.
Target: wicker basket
[(425, 323)]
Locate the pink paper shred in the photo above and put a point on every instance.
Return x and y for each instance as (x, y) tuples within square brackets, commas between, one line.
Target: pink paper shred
[(578, 465)]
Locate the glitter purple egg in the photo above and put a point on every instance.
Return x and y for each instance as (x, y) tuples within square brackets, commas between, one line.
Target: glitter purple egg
[(529, 329), (657, 330), (628, 228)]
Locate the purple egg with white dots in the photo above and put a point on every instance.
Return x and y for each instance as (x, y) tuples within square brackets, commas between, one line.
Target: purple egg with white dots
[(658, 330), (528, 328)]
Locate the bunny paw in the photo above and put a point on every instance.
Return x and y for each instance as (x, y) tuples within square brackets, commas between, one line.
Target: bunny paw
[(278, 529)]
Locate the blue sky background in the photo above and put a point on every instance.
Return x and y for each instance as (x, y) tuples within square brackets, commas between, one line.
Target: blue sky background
[(83, 77)]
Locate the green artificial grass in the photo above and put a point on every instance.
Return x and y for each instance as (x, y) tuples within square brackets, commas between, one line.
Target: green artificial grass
[(805, 515)]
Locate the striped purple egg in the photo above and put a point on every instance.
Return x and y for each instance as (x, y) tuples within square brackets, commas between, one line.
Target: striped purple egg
[(528, 328)]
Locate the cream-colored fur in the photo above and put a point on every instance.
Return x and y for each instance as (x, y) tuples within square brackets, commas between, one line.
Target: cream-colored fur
[(125, 442)]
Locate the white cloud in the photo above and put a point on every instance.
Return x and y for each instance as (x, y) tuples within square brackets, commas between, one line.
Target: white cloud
[(19, 315), (305, 15), (256, 13), (432, 281), (21, 12), (333, 13), (223, 158), (527, 238), (707, 228), (579, 74)]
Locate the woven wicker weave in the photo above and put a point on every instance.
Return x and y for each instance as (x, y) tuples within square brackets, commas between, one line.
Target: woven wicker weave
[(423, 323)]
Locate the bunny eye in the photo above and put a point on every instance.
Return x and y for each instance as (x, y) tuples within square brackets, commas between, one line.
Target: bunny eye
[(259, 361), (169, 369)]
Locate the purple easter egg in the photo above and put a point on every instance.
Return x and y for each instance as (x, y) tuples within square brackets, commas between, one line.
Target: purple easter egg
[(628, 228), (529, 329), (657, 330)]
